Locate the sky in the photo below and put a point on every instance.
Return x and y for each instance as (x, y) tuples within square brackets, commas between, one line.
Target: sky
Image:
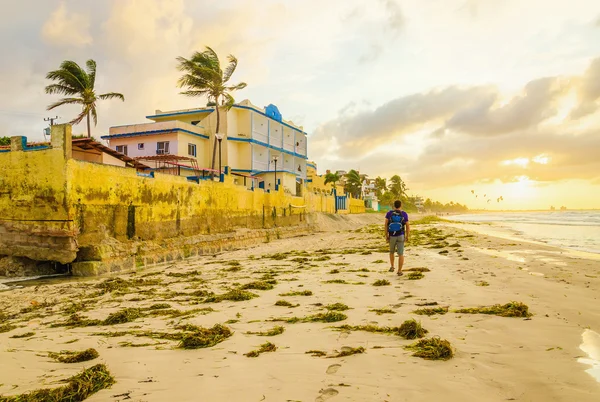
[(458, 97)]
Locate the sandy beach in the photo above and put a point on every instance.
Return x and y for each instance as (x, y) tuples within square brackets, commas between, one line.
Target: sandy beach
[(495, 358)]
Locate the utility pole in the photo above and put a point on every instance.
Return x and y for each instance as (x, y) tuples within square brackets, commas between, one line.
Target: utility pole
[(51, 120), (47, 131)]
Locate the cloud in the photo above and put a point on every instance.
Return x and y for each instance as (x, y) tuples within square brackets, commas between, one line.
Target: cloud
[(395, 18), (66, 29), (588, 91)]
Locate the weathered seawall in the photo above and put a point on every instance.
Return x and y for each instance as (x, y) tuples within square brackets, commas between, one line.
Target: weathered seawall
[(101, 218)]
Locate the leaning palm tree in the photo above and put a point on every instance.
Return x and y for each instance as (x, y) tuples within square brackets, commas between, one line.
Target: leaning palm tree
[(72, 80), (332, 178), (203, 76)]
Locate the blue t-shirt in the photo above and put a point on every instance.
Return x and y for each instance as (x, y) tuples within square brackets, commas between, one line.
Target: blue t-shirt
[(388, 216)]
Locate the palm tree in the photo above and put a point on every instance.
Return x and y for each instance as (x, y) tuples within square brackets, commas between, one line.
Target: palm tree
[(203, 76), (397, 186), (380, 186), (353, 183), (332, 178), (72, 81)]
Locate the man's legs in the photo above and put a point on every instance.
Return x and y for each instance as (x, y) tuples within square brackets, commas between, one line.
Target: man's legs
[(400, 249), (392, 256)]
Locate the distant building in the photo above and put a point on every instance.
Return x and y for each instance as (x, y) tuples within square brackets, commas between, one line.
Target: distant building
[(256, 141)]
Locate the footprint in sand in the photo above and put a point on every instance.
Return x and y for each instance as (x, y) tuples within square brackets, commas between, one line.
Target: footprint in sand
[(326, 394), (333, 368)]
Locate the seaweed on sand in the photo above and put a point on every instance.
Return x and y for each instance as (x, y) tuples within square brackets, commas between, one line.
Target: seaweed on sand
[(285, 303), (512, 309), (419, 269), (337, 307), (411, 329), (415, 276), (316, 353), (265, 347), (330, 316), (204, 337), (381, 282), (25, 335), (78, 387), (431, 311), (277, 330), (66, 356), (348, 351), (123, 316), (232, 295), (259, 285), (432, 349), (298, 293), (381, 311), (6, 328)]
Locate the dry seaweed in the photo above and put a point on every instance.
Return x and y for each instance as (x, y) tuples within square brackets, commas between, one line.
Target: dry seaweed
[(25, 335), (298, 293), (66, 356), (348, 351), (421, 269), (203, 337), (411, 329), (259, 285), (432, 349), (123, 316), (337, 307), (78, 388), (330, 316), (264, 348), (316, 353), (431, 311), (512, 309), (6, 328), (415, 276), (277, 330), (285, 303), (381, 282), (232, 295)]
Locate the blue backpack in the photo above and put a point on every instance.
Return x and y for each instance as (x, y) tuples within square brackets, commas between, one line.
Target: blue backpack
[(396, 226)]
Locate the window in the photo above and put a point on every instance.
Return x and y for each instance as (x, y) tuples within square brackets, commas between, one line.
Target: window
[(162, 148), (192, 149), (141, 146), (122, 149)]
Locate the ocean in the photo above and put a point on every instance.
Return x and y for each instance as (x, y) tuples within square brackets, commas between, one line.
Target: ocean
[(575, 230)]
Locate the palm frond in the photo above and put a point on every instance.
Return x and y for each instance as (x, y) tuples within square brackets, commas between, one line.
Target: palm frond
[(77, 72), (201, 71), (80, 116), (66, 78), (94, 115), (228, 101), (66, 101), (111, 95), (60, 89), (193, 93), (229, 70), (91, 68), (239, 86)]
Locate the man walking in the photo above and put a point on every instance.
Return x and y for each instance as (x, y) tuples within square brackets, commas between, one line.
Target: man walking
[(397, 231)]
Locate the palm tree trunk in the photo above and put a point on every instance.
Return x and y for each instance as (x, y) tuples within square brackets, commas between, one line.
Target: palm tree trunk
[(88, 125), (215, 143)]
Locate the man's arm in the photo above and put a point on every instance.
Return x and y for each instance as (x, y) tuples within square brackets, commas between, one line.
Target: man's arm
[(387, 233), (407, 231)]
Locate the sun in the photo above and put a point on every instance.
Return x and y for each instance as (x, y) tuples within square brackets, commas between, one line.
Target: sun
[(520, 190)]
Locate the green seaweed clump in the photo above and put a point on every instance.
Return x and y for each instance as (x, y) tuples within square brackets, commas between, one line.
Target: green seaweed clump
[(258, 285), (67, 356), (6, 328), (159, 306), (413, 276), (512, 309), (78, 388), (277, 330), (265, 347), (285, 303), (25, 335), (204, 337), (316, 353), (123, 316), (420, 269), (330, 316), (298, 293), (381, 282), (337, 307), (432, 349), (340, 281), (232, 295), (348, 351), (482, 283), (431, 311), (411, 329)]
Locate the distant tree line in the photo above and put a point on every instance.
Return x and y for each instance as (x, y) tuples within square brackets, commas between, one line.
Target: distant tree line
[(397, 190)]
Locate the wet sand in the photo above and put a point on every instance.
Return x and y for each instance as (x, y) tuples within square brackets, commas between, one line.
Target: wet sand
[(496, 358)]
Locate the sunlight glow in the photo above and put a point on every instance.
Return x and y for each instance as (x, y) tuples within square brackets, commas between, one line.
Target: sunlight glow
[(523, 162), (542, 159)]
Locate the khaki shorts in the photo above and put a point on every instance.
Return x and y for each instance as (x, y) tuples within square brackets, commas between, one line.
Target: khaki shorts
[(397, 244)]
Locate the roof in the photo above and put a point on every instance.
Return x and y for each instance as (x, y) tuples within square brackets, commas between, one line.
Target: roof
[(89, 143), (165, 157)]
